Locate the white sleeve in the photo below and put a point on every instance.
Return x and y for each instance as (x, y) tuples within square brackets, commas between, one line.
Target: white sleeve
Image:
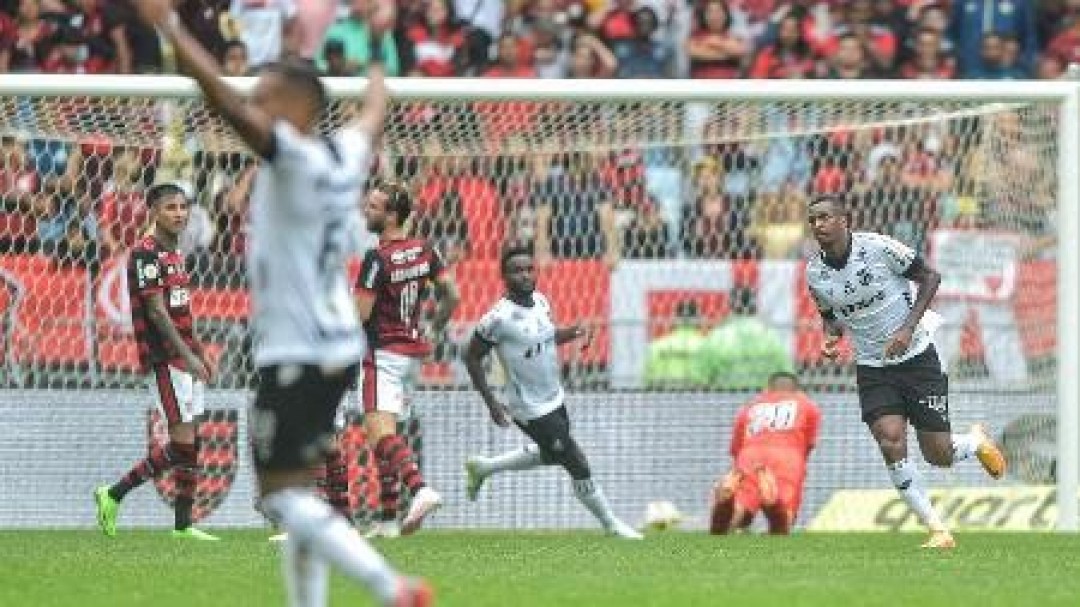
[(489, 327), (288, 8), (355, 144), (289, 148), (897, 255)]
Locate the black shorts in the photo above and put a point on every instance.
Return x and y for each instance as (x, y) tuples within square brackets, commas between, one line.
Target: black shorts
[(917, 388), (551, 433), (291, 424)]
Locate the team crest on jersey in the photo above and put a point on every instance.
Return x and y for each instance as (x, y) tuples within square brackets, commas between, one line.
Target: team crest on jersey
[(865, 276), (218, 457), (148, 271), (849, 289)]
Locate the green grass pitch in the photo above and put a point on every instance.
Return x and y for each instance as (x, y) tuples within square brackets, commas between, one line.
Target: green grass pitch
[(137, 568)]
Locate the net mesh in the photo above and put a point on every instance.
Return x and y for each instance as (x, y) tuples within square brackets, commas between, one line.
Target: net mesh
[(647, 217)]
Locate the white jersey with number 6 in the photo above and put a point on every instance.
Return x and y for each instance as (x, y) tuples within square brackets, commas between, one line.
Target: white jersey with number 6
[(524, 340), (303, 221)]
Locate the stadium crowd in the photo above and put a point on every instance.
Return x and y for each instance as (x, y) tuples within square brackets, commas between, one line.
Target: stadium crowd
[(80, 200)]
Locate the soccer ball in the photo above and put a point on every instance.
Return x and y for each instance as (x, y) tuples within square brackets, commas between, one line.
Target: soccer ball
[(662, 516)]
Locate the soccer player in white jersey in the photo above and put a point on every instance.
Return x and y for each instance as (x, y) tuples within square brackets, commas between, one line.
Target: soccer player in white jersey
[(520, 330), (308, 341), (861, 282)]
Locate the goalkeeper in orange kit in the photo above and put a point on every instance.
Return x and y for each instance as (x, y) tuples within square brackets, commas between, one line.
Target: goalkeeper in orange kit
[(770, 444)]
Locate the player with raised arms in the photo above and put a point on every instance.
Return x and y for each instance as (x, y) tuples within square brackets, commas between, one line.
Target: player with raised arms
[(861, 282), (179, 366), (307, 337), (392, 281), (519, 328)]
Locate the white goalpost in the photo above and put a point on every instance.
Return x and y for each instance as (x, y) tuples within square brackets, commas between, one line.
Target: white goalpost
[(987, 170)]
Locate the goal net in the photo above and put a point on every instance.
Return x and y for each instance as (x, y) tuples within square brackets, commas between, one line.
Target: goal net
[(671, 220)]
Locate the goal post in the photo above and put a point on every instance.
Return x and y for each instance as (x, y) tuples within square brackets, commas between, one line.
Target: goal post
[(520, 120)]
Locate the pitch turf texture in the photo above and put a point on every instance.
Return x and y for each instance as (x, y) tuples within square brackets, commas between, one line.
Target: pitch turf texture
[(75, 568)]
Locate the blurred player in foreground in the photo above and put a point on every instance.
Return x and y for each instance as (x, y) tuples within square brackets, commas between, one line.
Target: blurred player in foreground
[(771, 444), (178, 364), (520, 329), (307, 337), (861, 282)]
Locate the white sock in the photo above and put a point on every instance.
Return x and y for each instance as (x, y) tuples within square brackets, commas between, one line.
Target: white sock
[(307, 576), (964, 446), (905, 477), (311, 522), (518, 459), (589, 494)]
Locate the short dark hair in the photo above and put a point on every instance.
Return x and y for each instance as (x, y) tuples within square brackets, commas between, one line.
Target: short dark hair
[(511, 252), (231, 44), (159, 192), (835, 199), (399, 199), (301, 75), (783, 375)]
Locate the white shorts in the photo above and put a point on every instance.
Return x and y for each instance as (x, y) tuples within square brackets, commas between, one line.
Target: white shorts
[(178, 394), (388, 382)]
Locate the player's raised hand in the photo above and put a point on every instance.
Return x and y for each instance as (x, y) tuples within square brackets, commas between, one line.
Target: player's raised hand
[(899, 343), (499, 414), (831, 348), (155, 13)]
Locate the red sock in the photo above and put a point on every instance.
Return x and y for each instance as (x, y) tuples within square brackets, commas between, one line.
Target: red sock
[(402, 459), (159, 461), (186, 476), (388, 479), (337, 482)]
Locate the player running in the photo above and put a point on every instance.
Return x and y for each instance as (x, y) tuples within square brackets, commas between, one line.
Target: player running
[(861, 282), (178, 364), (392, 281), (520, 330), (307, 338), (771, 444)]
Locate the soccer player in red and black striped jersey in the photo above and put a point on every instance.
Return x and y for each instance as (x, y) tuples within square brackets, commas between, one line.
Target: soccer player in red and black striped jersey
[(179, 367), (392, 281)]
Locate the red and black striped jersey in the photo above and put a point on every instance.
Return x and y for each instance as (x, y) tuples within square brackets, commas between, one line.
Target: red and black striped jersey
[(396, 273), (152, 269)]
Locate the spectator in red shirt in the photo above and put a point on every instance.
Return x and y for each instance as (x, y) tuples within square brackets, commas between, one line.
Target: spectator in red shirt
[(615, 23), (510, 63), (849, 62), (929, 63), (27, 46), (591, 59), (878, 42), (435, 47), (714, 51), (789, 57), (1066, 45), (103, 30)]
